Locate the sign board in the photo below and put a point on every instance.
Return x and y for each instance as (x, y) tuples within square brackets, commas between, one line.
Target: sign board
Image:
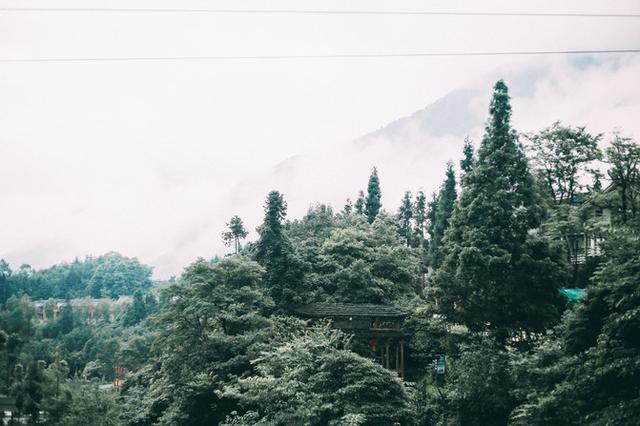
[(439, 364)]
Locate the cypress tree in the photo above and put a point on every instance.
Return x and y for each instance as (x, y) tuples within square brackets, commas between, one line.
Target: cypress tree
[(466, 164), (348, 207), (275, 253), (442, 213), (495, 276), (372, 202), (405, 216), (359, 206), (419, 218), (432, 206)]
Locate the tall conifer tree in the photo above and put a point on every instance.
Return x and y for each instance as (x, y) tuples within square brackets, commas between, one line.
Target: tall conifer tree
[(442, 213), (359, 205), (466, 164), (419, 218), (275, 253), (496, 276), (405, 216), (372, 203)]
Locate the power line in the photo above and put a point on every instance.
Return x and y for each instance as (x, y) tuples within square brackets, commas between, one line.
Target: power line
[(332, 56), (321, 12)]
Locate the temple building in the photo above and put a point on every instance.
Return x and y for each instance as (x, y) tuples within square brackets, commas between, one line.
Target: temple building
[(377, 329)]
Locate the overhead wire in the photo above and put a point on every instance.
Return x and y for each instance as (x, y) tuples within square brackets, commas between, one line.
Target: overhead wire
[(319, 56), (320, 12)]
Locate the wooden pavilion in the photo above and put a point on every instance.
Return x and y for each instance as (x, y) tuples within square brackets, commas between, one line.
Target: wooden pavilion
[(379, 326)]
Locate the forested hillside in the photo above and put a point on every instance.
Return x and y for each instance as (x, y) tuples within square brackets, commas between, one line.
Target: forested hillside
[(110, 275), (479, 268)]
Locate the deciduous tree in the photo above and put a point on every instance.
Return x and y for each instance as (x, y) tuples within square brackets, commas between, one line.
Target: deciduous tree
[(235, 234), (562, 156)]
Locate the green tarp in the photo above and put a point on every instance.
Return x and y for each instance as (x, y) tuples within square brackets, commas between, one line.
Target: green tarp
[(573, 294)]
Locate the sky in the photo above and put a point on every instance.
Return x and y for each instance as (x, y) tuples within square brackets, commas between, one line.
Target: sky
[(151, 158)]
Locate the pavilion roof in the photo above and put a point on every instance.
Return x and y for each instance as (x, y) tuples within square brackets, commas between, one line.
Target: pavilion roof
[(320, 310)]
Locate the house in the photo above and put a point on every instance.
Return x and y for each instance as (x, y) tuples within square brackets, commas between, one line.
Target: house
[(377, 328), (585, 240)]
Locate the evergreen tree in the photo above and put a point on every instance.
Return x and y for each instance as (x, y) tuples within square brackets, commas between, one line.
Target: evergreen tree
[(315, 379), (284, 273), (208, 335), (495, 276), (432, 207), (466, 164), (67, 318), (405, 216), (442, 213), (235, 233), (348, 207), (136, 312), (359, 205), (5, 282), (367, 264), (372, 203), (419, 219)]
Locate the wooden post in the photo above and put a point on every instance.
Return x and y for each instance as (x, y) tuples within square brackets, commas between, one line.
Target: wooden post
[(386, 357), (397, 358), (402, 359)]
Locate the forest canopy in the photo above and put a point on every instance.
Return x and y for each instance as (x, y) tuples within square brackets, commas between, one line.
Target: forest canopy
[(477, 270)]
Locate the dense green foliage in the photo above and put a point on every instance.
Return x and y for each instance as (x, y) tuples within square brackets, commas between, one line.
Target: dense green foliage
[(284, 273), (315, 379), (442, 209), (477, 270), (496, 275), (405, 219), (586, 371), (235, 234), (110, 275), (372, 203), (624, 156), (561, 156), (466, 164)]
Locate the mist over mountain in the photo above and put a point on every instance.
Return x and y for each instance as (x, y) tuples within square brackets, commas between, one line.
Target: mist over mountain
[(185, 195), (411, 152)]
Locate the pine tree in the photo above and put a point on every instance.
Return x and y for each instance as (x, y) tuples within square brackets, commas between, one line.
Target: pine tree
[(275, 253), (466, 164), (442, 213), (405, 216), (495, 276), (235, 233), (419, 218), (348, 207), (372, 203), (432, 207), (359, 206)]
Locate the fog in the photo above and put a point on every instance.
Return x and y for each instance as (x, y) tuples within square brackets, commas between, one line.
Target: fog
[(152, 158)]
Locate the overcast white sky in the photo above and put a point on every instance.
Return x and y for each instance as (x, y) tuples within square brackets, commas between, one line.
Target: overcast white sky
[(140, 157)]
